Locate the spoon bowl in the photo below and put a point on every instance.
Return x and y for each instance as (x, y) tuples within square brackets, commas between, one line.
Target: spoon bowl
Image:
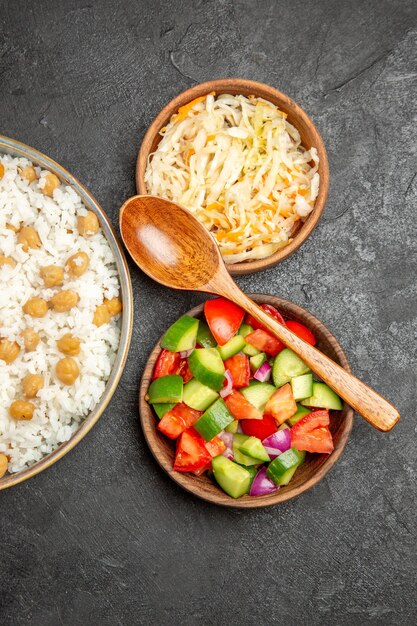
[(172, 247), (164, 241)]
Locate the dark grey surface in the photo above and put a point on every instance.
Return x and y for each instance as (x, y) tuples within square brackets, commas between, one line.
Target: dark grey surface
[(104, 537)]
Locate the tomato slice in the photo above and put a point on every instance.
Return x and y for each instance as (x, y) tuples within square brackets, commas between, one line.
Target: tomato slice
[(166, 364), (177, 420), (184, 370), (259, 428), (302, 331), (224, 319), (191, 454), (215, 446), (239, 368), (264, 341), (240, 408), (203, 469), (281, 405), (312, 433), (271, 310)]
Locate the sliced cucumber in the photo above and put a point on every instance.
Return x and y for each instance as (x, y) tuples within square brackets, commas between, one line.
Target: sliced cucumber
[(302, 386), (250, 350), (245, 329), (198, 396), (181, 335), (301, 412), (242, 459), (166, 389), (232, 478), (204, 336), (232, 427), (283, 467), (213, 420), (287, 365), (324, 398), (256, 361), (232, 347), (161, 409), (207, 367), (258, 394), (253, 447)]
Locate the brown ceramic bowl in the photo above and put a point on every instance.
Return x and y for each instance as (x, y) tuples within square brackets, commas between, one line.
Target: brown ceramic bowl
[(17, 149), (315, 466), (296, 116)]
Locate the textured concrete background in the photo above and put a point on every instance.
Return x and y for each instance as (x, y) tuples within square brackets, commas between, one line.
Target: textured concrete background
[(104, 537)]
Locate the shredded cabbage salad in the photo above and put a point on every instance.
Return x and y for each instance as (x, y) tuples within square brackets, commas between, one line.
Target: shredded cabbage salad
[(239, 166)]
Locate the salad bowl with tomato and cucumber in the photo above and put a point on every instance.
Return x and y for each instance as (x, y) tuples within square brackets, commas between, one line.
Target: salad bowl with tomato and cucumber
[(234, 416)]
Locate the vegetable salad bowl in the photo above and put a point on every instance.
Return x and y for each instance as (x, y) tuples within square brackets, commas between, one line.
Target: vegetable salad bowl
[(307, 475)]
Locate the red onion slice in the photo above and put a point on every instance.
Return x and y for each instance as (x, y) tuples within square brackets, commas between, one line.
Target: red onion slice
[(227, 390), (186, 353), (262, 485), (281, 440), (272, 452), (263, 373), (227, 439)]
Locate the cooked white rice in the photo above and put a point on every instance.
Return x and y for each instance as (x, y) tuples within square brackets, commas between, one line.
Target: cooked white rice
[(59, 408)]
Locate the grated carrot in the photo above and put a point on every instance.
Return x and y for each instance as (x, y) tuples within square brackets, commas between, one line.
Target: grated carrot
[(187, 154), (184, 110)]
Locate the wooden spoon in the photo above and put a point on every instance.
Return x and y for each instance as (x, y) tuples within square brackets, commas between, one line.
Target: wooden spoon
[(171, 246)]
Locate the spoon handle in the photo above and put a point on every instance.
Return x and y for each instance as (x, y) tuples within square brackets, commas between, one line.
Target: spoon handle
[(373, 407)]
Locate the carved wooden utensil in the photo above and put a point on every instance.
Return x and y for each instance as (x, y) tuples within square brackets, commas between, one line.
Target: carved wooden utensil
[(171, 246)]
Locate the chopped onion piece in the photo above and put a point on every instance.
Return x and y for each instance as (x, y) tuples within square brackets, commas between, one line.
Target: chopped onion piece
[(280, 441), (186, 353), (272, 452), (227, 390), (227, 439), (262, 485), (263, 373)]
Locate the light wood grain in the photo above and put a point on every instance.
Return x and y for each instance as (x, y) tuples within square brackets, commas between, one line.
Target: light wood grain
[(315, 466), (296, 116)]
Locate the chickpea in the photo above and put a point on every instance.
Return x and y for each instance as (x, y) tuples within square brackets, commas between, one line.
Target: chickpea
[(30, 339), (1, 170), (67, 370), (88, 224), (101, 315), (64, 300), (4, 461), (68, 344), (29, 238), (51, 183), (21, 410), (32, 383), (114, 306), (36, 307), (29, 173), (7, 260), (77, 264), (52, 275), (9, 350), (15, 229)]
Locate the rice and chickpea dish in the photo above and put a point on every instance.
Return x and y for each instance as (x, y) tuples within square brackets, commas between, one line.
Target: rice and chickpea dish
[(59, 305), (239, 166)]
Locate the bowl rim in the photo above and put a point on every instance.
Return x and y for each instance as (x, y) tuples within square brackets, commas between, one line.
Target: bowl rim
[(18, 149), (192, 484), (268, 93)]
